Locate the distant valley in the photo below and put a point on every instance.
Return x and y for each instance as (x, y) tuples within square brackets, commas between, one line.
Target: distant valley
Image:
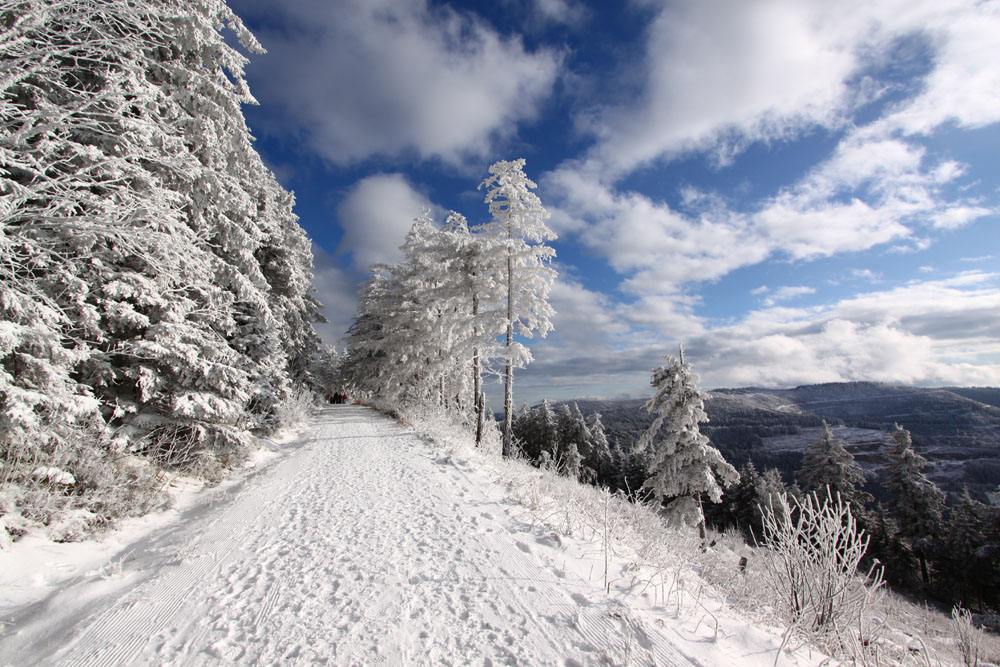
[(956, 428)]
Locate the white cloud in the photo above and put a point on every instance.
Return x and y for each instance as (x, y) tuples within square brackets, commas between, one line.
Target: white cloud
[(376, 215), (866, 274), (364, 78), (788, 293), (583, 317), (926, 332), (718, 76), (658, 247), (964, 85), (567, 12), (338, 294), (959, 216), (930, 333)]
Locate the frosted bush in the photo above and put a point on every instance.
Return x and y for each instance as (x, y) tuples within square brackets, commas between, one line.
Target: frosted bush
[(294, 410), (812, 568), (967, 635)]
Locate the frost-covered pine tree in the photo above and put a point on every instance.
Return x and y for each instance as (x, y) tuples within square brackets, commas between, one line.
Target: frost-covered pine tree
[(570, 439), (518, 233), (470, 321), (599, 450), (543, 433), (916, 502), (418, 352), (368, 340), (683, 465), (827, 467), (158, 284), (970, 553)]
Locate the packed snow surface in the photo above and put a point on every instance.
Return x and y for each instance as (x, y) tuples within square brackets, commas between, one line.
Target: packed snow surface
[(361, 546)]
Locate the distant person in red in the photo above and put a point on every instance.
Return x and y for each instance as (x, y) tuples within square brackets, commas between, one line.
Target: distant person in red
[(343, 399)]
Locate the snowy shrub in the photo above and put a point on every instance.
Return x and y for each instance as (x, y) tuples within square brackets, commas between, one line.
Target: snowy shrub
[(812, 567), (105, 486), (294, 410), (967, 635)]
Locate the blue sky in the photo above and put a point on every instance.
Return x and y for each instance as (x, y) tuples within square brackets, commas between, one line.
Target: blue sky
[(800, 191)]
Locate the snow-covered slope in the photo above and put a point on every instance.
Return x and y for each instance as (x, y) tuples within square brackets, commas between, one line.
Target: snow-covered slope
[(362, 545)]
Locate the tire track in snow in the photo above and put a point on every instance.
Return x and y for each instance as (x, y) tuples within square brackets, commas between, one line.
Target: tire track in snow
[(360, 548)]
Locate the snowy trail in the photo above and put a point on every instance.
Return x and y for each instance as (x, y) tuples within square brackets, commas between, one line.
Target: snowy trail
[(358, 548)]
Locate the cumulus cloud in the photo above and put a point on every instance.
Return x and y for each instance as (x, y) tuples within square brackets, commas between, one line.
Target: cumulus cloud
[(583, 317), (376, 215), (659, 247), (718, 76), (365, 78), (788, 293), (866, 274), (337, 292), (870, 190), (542, 13), (925, 332), (959, 216), (964, 83)]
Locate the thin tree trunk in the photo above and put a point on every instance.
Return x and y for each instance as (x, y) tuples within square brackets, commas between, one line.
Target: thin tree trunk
[(477, 379), (480, 409), (508, 380), (701, 522)]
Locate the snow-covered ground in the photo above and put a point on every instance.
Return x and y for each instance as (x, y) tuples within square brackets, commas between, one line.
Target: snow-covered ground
[(360, 544)]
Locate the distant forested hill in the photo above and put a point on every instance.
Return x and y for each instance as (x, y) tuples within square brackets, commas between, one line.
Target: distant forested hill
[(956, 429)]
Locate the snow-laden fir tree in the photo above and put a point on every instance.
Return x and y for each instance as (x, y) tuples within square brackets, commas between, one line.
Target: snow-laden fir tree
[(518, 233), (570, 439), (828, 468), (326, 372), (471, 322), (367, 338), (683, 465), (416, 354), (598, 450), (545, 428), (916, 502), (969, 558), (158, 284)]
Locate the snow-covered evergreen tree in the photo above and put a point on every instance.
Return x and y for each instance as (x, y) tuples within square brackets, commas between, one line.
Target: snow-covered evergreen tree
[(916, 502), (546, 429), (683, 465), (599, 452), (519, 233), (158, 283), (970, 555), (326, 371), (470, 320), (569, 439), (368, 338), (827, 467)]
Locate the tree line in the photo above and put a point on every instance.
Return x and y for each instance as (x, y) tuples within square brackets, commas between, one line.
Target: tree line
[(155, 285), (951, 553)]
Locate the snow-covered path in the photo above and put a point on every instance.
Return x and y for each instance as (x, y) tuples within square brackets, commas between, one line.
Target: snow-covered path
[(359, 548)]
